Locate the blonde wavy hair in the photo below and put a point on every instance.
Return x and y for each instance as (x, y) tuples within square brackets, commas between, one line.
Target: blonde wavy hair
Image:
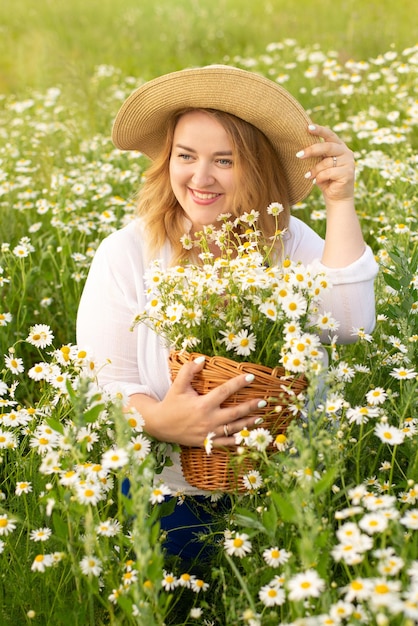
[(260, 181)]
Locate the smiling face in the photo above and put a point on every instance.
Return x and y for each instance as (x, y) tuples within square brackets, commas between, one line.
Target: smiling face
[(202, 168)]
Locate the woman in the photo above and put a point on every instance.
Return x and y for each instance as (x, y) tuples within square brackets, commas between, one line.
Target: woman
[(222, 140)]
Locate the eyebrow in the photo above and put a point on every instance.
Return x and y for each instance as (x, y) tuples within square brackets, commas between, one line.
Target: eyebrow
[(220, 153)]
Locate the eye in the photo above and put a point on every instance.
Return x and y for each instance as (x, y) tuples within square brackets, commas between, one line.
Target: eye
[(225, 162)]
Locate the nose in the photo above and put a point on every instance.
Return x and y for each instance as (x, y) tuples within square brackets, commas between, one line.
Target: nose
[(203, 174)]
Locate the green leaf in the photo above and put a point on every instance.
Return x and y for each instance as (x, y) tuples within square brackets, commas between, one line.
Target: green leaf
[(270, 519), (55, 425), (248, 519), (287, 512), (92, 414), (60, 527), (325, 482)]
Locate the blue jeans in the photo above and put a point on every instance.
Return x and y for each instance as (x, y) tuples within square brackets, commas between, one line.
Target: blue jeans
[(193, 517)]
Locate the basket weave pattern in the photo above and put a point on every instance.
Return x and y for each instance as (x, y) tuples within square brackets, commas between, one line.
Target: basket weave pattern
[(223, 469)]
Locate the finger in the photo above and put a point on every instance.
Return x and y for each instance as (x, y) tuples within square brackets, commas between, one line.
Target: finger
[(227, 389), (187, 372)]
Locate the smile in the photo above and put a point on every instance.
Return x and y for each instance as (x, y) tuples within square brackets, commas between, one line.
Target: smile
[(204, 195)]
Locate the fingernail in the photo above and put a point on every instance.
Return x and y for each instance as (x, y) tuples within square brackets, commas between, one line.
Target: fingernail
[(308, 175), (312, 127), (258, 421), (199, 359), (249, 378), (300, 153), (314, 181)]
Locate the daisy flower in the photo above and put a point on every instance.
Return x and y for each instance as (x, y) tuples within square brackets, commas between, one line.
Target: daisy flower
[(357, 589), (41, 562), (275, 208), (242, 436), (197, 585), (140, 446), (40, 534), (239, 545), (307, 584), (7, 525), (252, 480), (208, 442), (8, 440), (158, 494), (40, 336), (135, 420), (410, 519), (23, 487), (389, 434), (89, 493), (402, 373), (14, 364), (275, 557), (244, 343), (5, 318), (169, 581), (259, 438), (376, 396), (373, 523), (91, 566), (271, 595), (281, 442), (185, 580), (108, 528), (115, 458)]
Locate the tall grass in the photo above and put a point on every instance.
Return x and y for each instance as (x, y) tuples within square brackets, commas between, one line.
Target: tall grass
[(50, 42)]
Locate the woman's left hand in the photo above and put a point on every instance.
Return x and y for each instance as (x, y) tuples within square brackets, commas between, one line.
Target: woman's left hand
[(334, 173)]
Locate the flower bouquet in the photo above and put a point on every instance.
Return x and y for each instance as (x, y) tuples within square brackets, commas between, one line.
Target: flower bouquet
[(247, 309)]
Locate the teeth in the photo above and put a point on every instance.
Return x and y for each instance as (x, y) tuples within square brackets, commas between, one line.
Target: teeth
[(205, 196)]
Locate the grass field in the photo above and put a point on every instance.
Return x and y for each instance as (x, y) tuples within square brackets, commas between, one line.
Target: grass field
[(326, 533), (53, 42)]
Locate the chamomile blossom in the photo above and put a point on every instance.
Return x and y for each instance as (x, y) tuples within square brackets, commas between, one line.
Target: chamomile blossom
[(169, 581), (410, 519), (23, 487), (40, 336), (307, 584), (91, 566), (197, 585), (140, 446), (40, 534), (238, 545), (389, 434), (252, 480), (14, 363), (259, 438), (7, 525), (108, 528), (271, 595), (376, 396), (159, 493), (41, 562), (115, 458), (275, 557)]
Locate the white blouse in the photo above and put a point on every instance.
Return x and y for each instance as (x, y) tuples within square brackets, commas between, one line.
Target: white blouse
[(136, 360)]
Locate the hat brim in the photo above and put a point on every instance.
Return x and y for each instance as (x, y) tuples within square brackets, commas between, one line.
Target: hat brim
[(141, 123)]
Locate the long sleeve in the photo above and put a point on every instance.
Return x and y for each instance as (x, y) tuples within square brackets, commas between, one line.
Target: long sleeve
[(113, 295)]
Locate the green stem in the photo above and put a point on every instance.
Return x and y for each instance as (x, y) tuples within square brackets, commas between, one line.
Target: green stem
[(241, 582)]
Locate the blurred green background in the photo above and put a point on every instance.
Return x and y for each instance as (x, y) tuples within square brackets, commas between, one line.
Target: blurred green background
[(49, 42)]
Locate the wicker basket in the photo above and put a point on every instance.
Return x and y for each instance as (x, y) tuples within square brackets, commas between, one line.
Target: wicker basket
[(223, 469)]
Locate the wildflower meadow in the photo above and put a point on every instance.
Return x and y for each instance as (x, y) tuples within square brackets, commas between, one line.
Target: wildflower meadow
[(326, 530)]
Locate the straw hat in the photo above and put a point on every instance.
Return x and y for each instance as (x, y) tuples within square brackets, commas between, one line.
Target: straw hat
[(142, 120)]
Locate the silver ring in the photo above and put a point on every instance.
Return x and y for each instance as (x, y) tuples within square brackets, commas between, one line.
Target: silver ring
[(334, 161), (226, 430)]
